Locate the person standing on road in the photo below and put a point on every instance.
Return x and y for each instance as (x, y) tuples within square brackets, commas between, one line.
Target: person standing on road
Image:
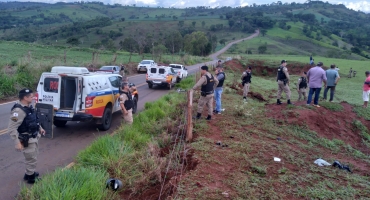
[(219, 64), (246, 81), (302, 87), (221, 76), (315, 77), (122, 71), (283, 82), (207, 83), (332, 80), (24, 128), (126, 103), (366, 89)]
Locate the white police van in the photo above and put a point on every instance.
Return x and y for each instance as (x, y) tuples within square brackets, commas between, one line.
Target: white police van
[(75, 94)]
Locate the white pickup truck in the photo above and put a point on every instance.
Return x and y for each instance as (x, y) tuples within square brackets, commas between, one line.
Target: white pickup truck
[(181, 71)]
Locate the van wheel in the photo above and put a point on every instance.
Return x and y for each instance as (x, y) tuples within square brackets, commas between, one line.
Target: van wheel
[(106, 120), (150, 85), (59, 123), (134, 109)]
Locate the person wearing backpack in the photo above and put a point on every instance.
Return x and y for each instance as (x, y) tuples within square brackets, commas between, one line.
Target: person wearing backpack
[(302, 87), (126, 103)]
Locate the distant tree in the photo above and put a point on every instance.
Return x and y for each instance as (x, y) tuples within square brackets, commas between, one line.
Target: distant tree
[(231, 23), (174, 41), (288, 27), (158, 51), (263, 32), (262, 49), (73, 41), (335, 43), (196, 43), (123, 19), (222, 41), (129, 44), (193, 23), (221, 17), (203, 24), (356, 50), (181, 23)]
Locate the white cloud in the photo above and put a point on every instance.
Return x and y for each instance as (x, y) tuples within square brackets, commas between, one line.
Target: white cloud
[(361, 5)]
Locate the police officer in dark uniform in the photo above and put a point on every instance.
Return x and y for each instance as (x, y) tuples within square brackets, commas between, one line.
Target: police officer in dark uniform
[(283, 82), (24, 128), (246, 81), (207, 83)]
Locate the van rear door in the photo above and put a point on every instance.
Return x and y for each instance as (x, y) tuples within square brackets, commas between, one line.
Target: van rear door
[(49, 89), (78, 100)]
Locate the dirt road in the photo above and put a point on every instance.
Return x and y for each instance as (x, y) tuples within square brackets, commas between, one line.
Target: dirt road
[(68, 141)]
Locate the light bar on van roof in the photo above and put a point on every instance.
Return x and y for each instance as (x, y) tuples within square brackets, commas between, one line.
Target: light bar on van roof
[(69, 70)]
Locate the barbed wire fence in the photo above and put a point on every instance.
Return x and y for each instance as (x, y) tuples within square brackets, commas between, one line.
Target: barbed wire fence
[(177, 159)]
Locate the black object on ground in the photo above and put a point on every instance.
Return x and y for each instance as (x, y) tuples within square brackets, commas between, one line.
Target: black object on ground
[(340, 166)]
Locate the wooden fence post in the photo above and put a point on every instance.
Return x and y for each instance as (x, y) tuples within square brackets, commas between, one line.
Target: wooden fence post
[(189, 129)]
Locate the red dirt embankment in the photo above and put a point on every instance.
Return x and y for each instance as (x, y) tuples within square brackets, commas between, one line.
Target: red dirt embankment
[(326, 123)]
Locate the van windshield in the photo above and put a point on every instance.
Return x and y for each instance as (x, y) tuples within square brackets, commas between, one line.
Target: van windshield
[(107, 68), (176, 66), (145, 62)]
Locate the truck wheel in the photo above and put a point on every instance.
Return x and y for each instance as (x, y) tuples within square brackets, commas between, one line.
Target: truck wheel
[(150, 85), (59, 123), (134, 109), (106, 120)]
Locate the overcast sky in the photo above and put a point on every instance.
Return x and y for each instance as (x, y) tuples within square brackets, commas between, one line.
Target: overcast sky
[(355, 4)]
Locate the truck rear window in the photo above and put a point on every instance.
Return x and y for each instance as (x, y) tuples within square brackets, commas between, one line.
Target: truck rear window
[(51, 85), (153, 70), (161, 71)]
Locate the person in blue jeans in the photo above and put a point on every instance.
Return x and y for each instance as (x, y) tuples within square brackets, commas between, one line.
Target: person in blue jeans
[(315, 76), (333, 77), (220, 74)]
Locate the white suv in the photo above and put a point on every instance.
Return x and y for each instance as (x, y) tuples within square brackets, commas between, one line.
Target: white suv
[(144, 65)]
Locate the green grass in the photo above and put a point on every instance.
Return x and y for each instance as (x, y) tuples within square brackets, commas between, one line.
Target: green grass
[(75, 183), (331, 106)]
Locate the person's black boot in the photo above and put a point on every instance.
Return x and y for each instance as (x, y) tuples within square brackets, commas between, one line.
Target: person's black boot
[(209, 117), (26, 176), (31, 178), (290, 103), (278, 102), (198, 116)]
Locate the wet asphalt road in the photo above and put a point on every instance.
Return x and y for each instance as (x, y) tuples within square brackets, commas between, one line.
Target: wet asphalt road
[(68, 141)]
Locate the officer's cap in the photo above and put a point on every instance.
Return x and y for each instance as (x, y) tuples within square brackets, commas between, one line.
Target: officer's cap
[(219, 60), (249, 67), (283, 61), (204, 68), (320, 64), (24, 92), (305, 72)]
